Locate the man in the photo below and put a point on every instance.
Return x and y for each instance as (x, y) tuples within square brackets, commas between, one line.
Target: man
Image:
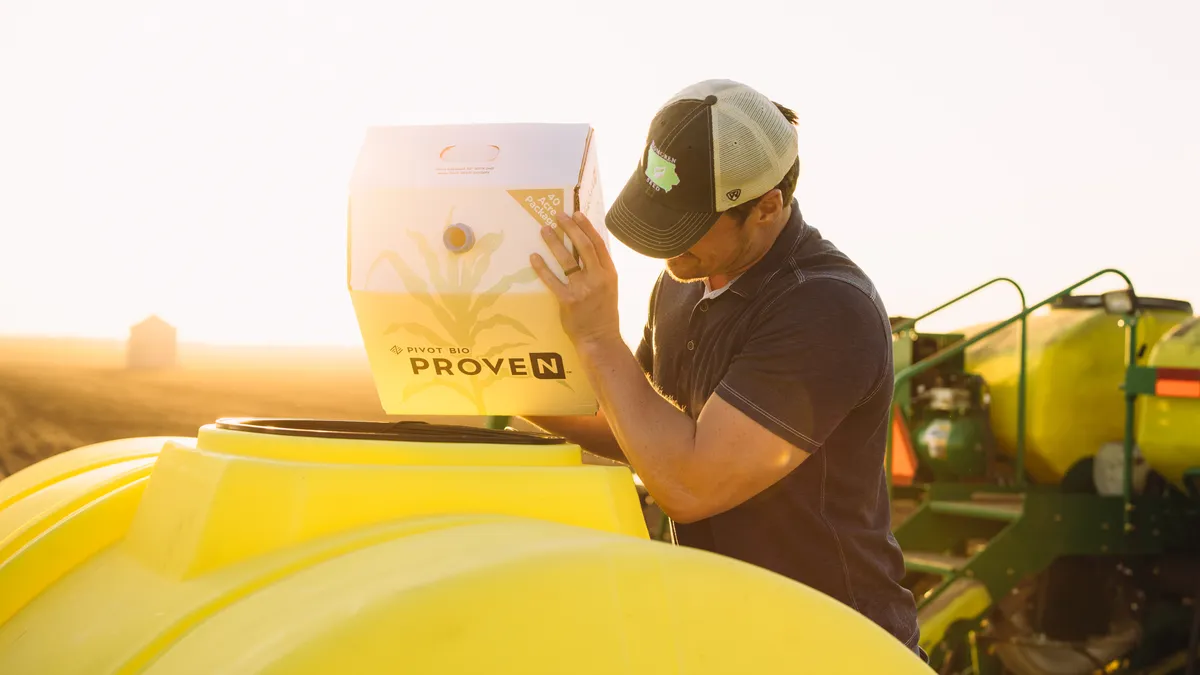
[(755, 409)]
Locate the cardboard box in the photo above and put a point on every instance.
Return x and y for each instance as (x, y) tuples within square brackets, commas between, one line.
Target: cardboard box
[(442, 220)]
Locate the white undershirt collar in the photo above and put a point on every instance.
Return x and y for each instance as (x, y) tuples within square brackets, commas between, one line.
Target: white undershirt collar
[(709, 293)]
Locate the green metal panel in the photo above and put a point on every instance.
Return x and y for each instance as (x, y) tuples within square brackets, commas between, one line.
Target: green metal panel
[(1000, 535), (1049, 524), (1141, 380), (929, 532)]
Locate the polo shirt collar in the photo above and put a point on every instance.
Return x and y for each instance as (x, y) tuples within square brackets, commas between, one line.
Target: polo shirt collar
[(752, 281)]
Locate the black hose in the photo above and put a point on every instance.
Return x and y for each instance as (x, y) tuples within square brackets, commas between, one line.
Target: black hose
[(406, 430)]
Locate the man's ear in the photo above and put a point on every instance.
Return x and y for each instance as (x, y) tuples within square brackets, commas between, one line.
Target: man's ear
[(769, 206)]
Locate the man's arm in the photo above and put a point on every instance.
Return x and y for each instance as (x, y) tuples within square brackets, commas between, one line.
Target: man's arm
[(590, 432), (810, 361), (593, 433), (811, 358), (692, 469)]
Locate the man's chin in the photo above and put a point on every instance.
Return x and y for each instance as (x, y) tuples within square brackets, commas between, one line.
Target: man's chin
[(685, 268)]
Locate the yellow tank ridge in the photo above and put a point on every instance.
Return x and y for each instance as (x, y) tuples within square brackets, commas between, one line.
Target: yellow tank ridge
[(1076, 364), (306, 548), (1168, 428)]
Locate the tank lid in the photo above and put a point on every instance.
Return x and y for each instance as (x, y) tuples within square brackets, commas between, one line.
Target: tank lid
[(407, 430), (1144, 302)]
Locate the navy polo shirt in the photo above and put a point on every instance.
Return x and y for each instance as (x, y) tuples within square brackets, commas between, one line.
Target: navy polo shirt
[(801, 343)]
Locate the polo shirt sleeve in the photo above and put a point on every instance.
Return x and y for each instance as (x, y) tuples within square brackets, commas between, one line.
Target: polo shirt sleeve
[(813, 355)]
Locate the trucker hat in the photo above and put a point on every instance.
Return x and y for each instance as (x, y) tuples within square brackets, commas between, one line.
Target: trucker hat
[(710, 147)]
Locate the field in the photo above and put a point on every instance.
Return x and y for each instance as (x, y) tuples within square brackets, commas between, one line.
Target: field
[(58, 394)]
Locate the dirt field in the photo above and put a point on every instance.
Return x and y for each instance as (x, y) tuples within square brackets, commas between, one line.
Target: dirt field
[(58, 394)]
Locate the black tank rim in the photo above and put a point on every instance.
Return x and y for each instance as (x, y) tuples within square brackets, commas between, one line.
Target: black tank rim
[(403, 431), (1144, 302)]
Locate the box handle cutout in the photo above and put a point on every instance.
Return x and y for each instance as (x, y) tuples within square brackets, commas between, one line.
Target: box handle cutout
[(469, 154)]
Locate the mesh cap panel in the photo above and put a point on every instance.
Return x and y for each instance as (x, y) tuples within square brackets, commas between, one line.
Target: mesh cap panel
[(754, 146), (740, 155)]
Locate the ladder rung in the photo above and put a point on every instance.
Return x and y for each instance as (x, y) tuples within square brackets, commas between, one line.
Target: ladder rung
[(977, 509), (933, 563)]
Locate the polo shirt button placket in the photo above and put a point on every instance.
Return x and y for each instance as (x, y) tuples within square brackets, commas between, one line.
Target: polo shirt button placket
[(685, 366), (703, 307)]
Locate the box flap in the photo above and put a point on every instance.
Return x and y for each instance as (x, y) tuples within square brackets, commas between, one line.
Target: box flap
[(475, 155)]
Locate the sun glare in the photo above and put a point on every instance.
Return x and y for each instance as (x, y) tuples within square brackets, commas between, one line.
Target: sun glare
[(193, 163)]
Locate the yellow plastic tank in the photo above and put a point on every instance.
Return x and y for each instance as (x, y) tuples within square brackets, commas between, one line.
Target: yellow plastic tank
[(1168, 428), (300, 547), (1076, 364)]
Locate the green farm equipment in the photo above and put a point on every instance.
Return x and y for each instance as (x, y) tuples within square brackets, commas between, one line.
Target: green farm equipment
[(1045, 482), (1052, 461)]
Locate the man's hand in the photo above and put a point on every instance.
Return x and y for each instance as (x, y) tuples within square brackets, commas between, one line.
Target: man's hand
[(693, 469), (588, 300)]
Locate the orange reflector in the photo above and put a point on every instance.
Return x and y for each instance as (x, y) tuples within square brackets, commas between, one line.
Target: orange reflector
[(1177, 388), (904, 460), (1177, 382)]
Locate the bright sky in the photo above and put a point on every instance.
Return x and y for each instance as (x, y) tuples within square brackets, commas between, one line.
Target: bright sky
[(191, 159)]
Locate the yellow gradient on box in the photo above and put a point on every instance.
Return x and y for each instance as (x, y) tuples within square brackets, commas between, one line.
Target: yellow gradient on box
[(248, 552), (442, 223), (506, 378), (1076, 365), (1168, 428)]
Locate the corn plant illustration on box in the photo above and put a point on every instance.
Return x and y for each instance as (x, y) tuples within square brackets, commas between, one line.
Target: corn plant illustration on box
[(442, 220)]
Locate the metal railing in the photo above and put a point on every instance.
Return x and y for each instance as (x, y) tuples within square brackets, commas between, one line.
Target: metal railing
[(907, 325), (912, 322), (942, 355)]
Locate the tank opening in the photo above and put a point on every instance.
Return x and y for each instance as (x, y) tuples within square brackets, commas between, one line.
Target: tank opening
[(406, 430)]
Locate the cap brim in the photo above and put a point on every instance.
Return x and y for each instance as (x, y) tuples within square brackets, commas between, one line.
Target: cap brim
[(646, 226)]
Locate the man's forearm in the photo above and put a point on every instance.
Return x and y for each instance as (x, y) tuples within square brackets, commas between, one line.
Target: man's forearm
[(590, 432), (658, 439)]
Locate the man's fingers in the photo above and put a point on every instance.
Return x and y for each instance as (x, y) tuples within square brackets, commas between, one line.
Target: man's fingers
[(593, 234), (583, 243), (547, 276), (557, 249)]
